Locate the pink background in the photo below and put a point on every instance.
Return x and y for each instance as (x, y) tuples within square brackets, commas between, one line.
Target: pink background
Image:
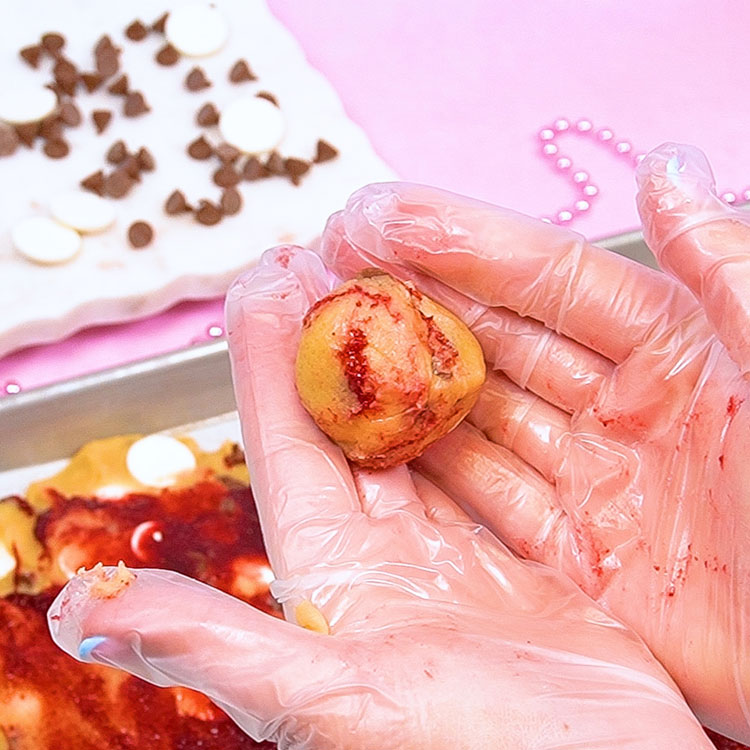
[(455, 93)]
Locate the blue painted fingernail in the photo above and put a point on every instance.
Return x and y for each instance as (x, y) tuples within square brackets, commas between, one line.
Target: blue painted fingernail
[(87, 645)]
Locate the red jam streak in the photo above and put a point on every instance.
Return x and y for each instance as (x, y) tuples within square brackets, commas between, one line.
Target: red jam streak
[(375, 298), (357, 369), (208, 531), (444, 354)]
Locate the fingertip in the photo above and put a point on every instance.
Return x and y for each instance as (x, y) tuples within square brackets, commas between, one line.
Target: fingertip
[(277, 264), (676, 192), (283, 285)]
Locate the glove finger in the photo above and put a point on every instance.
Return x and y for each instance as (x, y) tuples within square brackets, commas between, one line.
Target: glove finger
[(698, 239), (500, 258), (499, 490), (172, 630), (439, 506), (387, 491), (302, 482), (494, 486), (556, 368), (521, 422)]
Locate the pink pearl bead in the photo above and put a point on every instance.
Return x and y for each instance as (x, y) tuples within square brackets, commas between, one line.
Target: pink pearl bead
[(561, 125), (563, 163), (605, 135), (623, 147), (215, 331), (584, 126), (746, 195), (582, 206), (564, 216), (728, 197), (638, 158), (11, 387), (580, 176), (549, 149), (590, 190), (546, 134)]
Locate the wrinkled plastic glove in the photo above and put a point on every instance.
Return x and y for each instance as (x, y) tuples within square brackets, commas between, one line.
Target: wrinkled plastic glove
[(611, 442), (439, 637)]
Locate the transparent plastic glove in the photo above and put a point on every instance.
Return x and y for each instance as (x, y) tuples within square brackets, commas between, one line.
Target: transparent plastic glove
[(612, 439), (439, 637)]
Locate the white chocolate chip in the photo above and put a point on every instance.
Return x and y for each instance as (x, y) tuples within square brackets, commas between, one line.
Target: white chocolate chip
[(7, 562), (252, 124), (196, 29), (43, 240), (158, 460), (84, 212), (22, 104)]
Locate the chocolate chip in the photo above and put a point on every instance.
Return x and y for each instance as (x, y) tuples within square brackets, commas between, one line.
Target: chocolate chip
[(167, 55), (296, 168), (27, 132), (31, 55), (227, 153), (268, 96), (140, 234), (107, 64), (53, 42), (275, 163), (103, 45), (207, 115), (56, 148), (231, 201), (208, 214), (255, 170), (106, 56), (8, 140), (94, 182), (56, 88), (145, 159), (91, 81), (325, 152), (241, 72), (131, 167), (235, 457), (70, 114), (118, 183), (101, 118), (117, 153), (120, 87), (226, 176), (136, 31), (66, 76), (200, 148), (196, 80), (135, 105), (51, 128), (176, 204), (159, 24)]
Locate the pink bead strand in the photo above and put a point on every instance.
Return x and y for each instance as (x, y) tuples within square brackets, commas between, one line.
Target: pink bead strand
[(586, 191), (579, 179)]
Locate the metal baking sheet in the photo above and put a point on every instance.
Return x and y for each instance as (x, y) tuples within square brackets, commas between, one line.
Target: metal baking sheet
[(183, 387)]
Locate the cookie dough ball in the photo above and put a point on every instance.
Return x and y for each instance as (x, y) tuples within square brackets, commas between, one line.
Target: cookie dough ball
[(384, 371)]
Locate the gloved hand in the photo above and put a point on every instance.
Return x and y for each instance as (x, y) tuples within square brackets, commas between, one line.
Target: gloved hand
[(439, 637), (610, 442)]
